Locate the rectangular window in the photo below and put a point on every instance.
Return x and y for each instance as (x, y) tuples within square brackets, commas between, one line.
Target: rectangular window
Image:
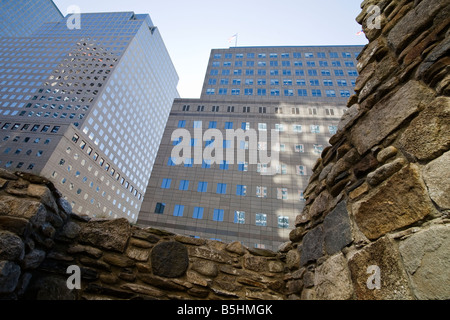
[(189, 162), (197, 124), (301, 170), (241, 190), (198, 213), (206, 164), (297, 128), (261, 192), (239, 217), (213, 125), (262, 126), (221, 188), (166, 183), (245, 126), (202, 186), (224, 165), (282, 193), (228, 125), (261, 219), (160, 208), (299, 148), (243, 166), (218, 215), (178, 210), (171, 162), (283, 222), (182, 124), (184, 185), (315, 129)]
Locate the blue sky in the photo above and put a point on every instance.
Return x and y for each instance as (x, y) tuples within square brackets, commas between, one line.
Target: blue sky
[(191, 28)]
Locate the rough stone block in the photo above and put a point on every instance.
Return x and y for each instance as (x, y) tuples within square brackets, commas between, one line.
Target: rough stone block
[(109, 234), (312, 246), (332, 279), (426, 259), (385, 171), (428, 135), (11, 246), (9, 276), (337, 230), (388, 114), (436, 175), (169, 259), (398, 202), (393, 279)]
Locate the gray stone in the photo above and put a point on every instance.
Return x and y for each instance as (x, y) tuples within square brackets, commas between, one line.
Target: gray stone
[(332, 279), (337, 230), (426, 259), (394, 284), (436, 175), (109, 234), (169, 259), (428, 135), (293, 259), (386, 153), (9, 276), (383, 118), (385, 171), (33, 259), (11, 246), (258, 264), (205, 267), (312, 246), (210, 254), (236, 247)]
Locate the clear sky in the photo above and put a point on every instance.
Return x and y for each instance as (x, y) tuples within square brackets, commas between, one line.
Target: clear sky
[(191, 28)]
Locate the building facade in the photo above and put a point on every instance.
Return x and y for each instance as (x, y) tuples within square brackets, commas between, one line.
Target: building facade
[(21, 18), (291, 99), (87, 107)]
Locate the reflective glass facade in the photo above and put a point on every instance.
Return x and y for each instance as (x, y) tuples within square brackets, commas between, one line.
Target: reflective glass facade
[(87, 108), (21, 18)]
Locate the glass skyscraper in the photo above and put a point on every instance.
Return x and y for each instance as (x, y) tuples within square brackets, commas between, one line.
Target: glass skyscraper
[(300, 93), (87, 108), (21, 18)]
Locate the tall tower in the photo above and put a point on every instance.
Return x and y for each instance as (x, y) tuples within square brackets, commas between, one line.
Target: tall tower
[(297, 93), (86, 107)]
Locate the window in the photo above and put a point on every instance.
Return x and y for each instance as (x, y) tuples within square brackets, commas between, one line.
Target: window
[(261, 219), (283, 222), (314, 82), (224, 165), (318, 148), (186, 107), (243, 166), (345, 93), (279, 127), (312, 111), (330, 93), (171, 162), (182, 124), (197, 124), (198, 213), (301, 170), (262, 126), (215, 108), (202, 186), (241, 190), (184, 185), (230, 109), (213, 125), (245, 126), (221, 188), (295, 110), (166, 183), (55, 129), (226, 144), (246, 110), (332, 129), (262, 109), (316, 93), (329, 112), (239, 217), (229, 125), (261, 192), (315, 128), (178, 210), (188, 162), (302, 93), (282, 193), (160, 208), (218, 215), (206, 164), (299, 148), (312, 72), (297, 128)]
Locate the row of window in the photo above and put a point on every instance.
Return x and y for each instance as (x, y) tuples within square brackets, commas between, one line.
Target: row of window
[(287, 55), (29, 127), (278, 110), (284, 72), (105, 165), (240, 190), (284, 63), (296, 128), (277, 92), (219, 215), (276, 82)]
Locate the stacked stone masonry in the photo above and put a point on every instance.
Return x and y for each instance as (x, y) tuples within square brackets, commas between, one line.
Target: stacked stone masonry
[(378, 202), (375, 226)]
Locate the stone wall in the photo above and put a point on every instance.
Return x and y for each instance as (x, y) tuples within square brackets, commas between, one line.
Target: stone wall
[(40, 239), (378, 202)]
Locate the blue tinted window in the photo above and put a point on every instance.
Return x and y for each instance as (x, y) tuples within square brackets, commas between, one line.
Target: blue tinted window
[(184, 185), (178, 210), (221, 188), (202, 186), (218, 215), (166, 183), (198, 213)]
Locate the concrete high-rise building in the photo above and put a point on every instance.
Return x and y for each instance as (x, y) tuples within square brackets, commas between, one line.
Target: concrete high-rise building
[(21, 18), (298, 93), (85, 104)]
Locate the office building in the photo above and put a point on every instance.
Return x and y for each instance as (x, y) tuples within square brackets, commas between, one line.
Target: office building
[(297, 93), (21, 18), (86, 107)]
